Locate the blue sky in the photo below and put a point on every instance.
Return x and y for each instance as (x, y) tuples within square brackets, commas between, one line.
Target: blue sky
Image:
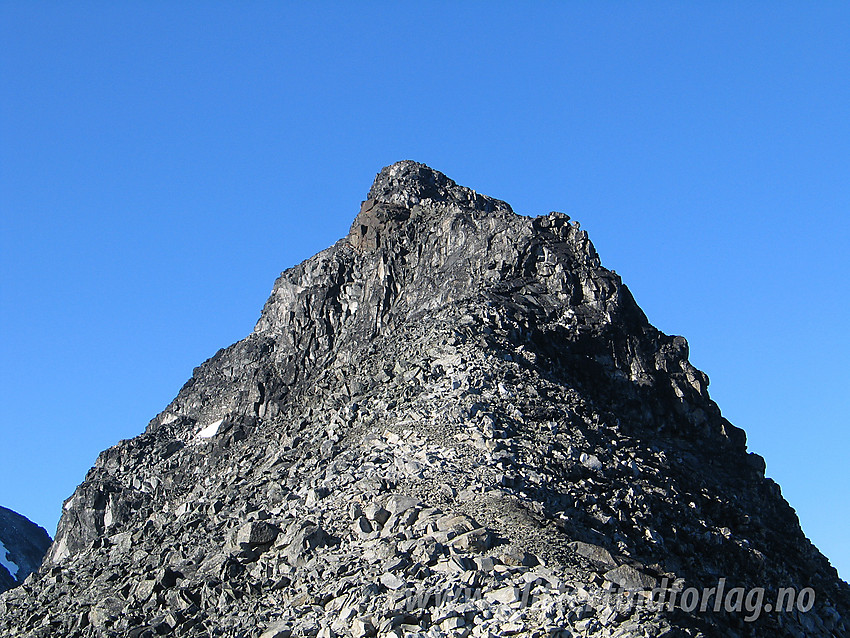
[(161, 163)]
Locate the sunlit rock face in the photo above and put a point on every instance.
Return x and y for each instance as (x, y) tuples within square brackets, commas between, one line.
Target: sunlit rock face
[(453, 422)]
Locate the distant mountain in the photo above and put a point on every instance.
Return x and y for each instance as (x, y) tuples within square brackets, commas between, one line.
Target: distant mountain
[(23, 545), (453, 422)]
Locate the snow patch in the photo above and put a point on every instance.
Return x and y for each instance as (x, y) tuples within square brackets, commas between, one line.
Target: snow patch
[(209, 431), (7, 562)]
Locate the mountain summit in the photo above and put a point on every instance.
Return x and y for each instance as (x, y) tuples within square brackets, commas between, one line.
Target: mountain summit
[(452, 422)]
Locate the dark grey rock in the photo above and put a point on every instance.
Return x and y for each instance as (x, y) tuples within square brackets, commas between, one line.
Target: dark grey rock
[(257, 533), (630, 578), (23, 545), (595, 553)]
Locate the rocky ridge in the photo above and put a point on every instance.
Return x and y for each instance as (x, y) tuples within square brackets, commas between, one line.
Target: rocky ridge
[(23, 545), (453, 422)]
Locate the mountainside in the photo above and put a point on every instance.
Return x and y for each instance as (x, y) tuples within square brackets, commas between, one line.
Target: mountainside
[(453, 422), (23, 545)]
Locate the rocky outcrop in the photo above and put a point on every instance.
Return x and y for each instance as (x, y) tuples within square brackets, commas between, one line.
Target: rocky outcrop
[(23, 545), (453, 422)]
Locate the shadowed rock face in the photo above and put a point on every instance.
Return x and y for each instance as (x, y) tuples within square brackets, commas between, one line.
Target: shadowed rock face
[(23, 545), (454, 421)]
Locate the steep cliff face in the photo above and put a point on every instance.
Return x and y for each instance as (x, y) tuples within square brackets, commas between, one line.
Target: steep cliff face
[(23, 545), (451, 398)]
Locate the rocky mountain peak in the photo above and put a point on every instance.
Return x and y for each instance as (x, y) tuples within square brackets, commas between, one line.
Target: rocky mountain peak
[(452, 422)]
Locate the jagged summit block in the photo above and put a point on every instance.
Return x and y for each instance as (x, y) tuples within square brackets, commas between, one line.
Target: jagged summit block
[(408, 190), (452, 422), (408, 183)]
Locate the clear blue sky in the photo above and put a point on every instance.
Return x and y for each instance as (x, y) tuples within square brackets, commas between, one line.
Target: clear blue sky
[(162, 162)]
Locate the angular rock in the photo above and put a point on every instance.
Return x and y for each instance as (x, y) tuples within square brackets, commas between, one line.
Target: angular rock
[(399, 504), (630, 578), (278, 630), (504, 596), (257, 533), (362, 628), (595, 553), (476, 541), (391, 581)]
